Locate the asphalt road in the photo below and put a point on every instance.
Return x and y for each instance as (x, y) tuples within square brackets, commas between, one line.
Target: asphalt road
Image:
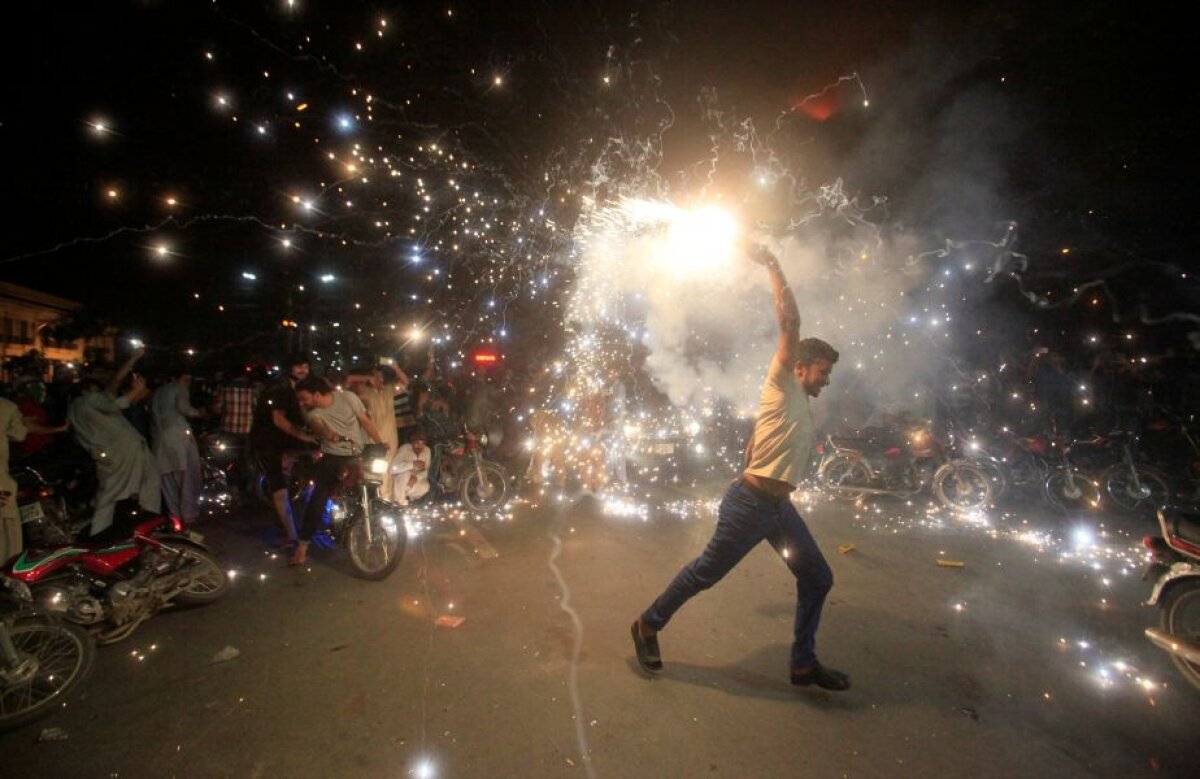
[(1026, 660)]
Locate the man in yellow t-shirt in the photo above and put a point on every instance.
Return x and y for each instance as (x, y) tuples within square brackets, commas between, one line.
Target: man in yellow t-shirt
[(757, 506)]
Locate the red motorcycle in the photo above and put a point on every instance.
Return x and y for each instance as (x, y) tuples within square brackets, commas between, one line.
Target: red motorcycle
[(111, 588)]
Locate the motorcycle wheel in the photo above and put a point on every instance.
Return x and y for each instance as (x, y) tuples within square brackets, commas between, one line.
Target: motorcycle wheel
[(485, 488), (844, 468), (210, 582), (60, 656), (962, 486), (376, 559), (1078, 494), (1181, 618), (1119, 486), (995, 475)]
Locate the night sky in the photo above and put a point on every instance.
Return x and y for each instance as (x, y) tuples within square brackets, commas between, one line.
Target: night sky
[(1067, 119)]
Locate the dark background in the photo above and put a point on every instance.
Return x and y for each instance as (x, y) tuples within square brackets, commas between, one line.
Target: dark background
[(1070, 119)]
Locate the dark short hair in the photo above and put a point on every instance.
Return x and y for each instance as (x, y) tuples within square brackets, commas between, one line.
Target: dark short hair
[(810, 350), (317, 385), (418, 435), (299, 358), (388, 374)]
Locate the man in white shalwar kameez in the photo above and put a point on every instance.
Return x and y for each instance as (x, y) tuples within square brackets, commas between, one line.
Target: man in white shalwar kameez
[(175, 448), (125, 467), (410, 470), (12, 428)]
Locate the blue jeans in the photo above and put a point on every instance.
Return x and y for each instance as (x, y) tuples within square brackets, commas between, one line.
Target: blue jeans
[(746, 517)]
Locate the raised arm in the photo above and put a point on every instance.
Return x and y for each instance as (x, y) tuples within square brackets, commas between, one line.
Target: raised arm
[(115, 382), (786, 313)]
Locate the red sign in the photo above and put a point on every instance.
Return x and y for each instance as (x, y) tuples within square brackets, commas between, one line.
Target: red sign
[(485, 358)]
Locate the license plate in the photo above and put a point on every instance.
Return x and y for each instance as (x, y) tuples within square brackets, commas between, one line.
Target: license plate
[(192, 535), (666, 447), (31, 512)]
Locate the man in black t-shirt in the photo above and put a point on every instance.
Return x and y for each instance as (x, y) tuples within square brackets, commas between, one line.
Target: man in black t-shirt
[(277, 428)]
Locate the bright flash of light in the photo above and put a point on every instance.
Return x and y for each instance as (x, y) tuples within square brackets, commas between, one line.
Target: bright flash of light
[(1083, 537), (699, 241)]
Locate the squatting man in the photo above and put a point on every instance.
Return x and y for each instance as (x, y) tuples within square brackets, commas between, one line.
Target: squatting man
[(758, 506)]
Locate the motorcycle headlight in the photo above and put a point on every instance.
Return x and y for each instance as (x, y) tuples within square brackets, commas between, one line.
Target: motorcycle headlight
[(483, 440), (379, 465), (18, 588)]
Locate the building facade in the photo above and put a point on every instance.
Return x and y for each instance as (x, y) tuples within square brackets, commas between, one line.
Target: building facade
[(27, 318)]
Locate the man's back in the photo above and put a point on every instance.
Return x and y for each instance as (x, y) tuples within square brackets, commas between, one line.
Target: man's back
[(236, 404)]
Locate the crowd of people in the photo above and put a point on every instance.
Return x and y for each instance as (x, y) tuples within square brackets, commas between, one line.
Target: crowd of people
[(135, 441)]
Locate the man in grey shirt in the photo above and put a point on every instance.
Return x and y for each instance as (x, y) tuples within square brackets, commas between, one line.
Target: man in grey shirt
[(342, 424)]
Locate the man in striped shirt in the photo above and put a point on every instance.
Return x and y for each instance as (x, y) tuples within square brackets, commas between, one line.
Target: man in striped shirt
[(403, 405), (404, 402)]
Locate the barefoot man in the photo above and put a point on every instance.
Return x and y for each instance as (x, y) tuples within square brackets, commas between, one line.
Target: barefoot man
[(757, 506)]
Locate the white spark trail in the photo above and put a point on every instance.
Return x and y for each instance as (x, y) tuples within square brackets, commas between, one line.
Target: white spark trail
[(573, 674)]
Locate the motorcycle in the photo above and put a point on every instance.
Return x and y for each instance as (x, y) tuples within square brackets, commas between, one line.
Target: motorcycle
[(219, 458), (42, 659), (1175, 571), (459, 468), (111, 588), (883, 463), (370, 528), (1023, 458)]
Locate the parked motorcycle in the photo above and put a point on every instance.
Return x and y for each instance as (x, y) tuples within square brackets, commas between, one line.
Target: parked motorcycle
[(1175, 571), (42, 659), (881, 462), (459, 468), (370, 528), (111, 588), (1024, 459)]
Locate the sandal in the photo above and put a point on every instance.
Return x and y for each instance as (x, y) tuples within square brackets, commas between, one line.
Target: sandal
[(299, 555), (825, 678)]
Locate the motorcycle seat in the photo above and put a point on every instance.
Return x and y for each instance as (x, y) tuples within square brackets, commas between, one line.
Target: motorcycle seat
[(1185, 524)]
